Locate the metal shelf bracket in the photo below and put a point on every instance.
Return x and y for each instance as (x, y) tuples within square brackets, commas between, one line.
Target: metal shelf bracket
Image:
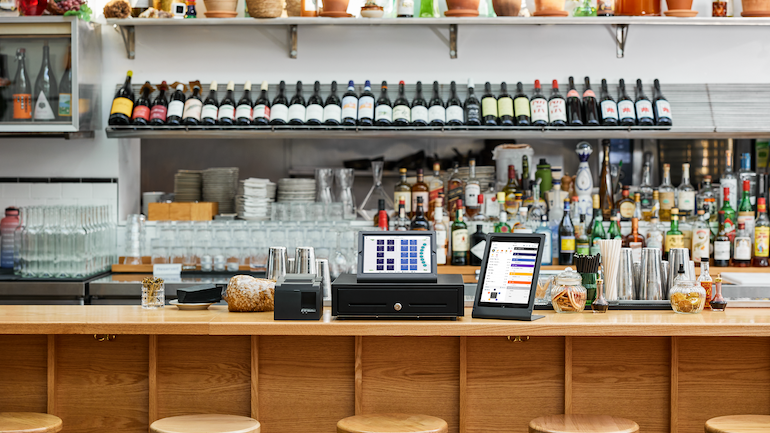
[(128, 34), (453, 41), (293, 41), (620, 36)]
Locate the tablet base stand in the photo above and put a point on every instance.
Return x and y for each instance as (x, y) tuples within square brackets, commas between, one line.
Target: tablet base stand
[(510, 314)]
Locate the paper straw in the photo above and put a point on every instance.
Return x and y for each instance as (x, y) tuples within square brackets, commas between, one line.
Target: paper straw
[(610, 250)]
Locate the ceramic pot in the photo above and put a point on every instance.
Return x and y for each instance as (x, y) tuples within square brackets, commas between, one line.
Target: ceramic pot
[(549, 5), (336, 6), (220, 5), (679, 4), (462, 5), (507, 8), (755, 5)]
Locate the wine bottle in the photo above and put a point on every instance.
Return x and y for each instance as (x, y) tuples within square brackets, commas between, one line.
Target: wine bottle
[(46, 90), (402, 115), (556, 107), (366, 106), (6, 103), (65, 90), (590, 105), (472, 107), (608, 106), (383, 115), (521, 106), (261, 112), (279, 111), (159, 108), (297, 107), (661, 106), (505, 106), (419, 108), (210, 106), (436, 110), (333, 107), (122, 104), (314, 115), (226, 113), (574, 109), (489, 106), (626, 109), (350, 105), (405, 8), (454, 107), (176, 106), (243, 110), (192, 107), (141, 115), (539, 106), (644, 112)]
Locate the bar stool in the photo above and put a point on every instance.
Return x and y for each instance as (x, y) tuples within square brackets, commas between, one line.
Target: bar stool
[(392, 423), (29, 422), (738, 424), (208, 423), (582, 424)]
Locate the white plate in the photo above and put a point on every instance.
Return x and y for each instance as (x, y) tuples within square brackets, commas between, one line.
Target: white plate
[(202, 306)]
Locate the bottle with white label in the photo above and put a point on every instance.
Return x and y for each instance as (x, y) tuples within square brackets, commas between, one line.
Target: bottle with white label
[(419, 108), (521, 106), (472, 107), (405, 8), (626, 108), (46, 93), (243, 114), (176, 107), (210, 106), (441, 232), (488, 106), (436, 110), (539, 107), (454, 107), (472, 191), (685, 195), (314, 115), (297, 107), (383, 114), (261, 111), (608, 107), (402, 115), (279, 111), (701, 234), (557, 107), (644, 114), (226, 113), (505, 106), (366, 106), (350, 105), (333, 107), (742, 247), (661, 107), (193, 107)]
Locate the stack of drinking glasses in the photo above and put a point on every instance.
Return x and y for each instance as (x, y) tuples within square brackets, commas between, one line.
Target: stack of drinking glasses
[(135, 239)]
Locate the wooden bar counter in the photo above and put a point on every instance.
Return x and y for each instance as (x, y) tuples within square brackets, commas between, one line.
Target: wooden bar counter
[(667, 372)]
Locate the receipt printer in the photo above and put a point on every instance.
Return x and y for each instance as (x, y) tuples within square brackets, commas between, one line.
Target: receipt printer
[(298, 297)]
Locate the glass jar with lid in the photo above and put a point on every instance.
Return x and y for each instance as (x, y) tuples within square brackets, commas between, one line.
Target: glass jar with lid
[(687, 297), (567, 292)]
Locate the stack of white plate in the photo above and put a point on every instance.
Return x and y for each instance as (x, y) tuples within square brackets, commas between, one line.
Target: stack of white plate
[(254, 199), (485, 175), (296, 190), (220, 185), (187, 186)]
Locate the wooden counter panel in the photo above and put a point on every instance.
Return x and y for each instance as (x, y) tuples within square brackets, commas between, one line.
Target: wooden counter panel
[(722, 376), (102, 386), (23, 373), (412, 375), (508, 383), (623, 377), (305, 383), (199, 374)]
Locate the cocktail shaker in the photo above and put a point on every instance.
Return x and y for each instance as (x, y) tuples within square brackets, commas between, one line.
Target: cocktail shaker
[(652, 286), (626, 275), (277, 263), (304, 261)]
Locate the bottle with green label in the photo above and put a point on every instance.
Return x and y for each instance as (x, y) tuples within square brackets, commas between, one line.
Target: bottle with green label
[(521, 107), (583, 243), (614, 231), (460, 241), (597, 232), (674, 237), (505, 106), (488, 106)]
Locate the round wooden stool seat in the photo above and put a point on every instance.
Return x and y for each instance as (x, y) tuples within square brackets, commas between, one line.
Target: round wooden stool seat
[(29, 422), (392, 423), (739, 424), (208, 423), (582, 424)]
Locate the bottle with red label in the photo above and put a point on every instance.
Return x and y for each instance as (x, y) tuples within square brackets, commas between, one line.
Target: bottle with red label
[(661, 107), (141, 114), (608, 107), (159, 106), (557, 107), (539, 107), (574, 109), (644, 114), (590, 105), (626, 108)]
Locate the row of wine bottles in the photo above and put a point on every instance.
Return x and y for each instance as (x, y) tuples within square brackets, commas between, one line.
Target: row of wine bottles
[(46, 101), (362, 109)]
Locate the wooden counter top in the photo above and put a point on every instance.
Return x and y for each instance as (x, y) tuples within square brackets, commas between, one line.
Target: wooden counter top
[(218, 321)]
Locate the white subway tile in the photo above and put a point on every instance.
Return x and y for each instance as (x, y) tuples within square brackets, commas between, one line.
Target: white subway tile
[(45, 190), (106, 191), (16, 190), (77, 190)]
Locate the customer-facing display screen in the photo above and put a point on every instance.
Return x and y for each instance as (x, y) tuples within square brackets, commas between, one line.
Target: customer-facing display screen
[(393, 254), (509, 273)]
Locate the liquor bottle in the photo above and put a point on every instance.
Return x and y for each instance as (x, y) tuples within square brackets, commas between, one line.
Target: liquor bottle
[(46, 90), (729, 179), (685, 195), (705, 199), (436, 110), (314, 113), (477, 245), (226, 112), (661, 106), (761, 236), (574, 108), (521, 106), (279, 110), (472, 191), (729, 221), (505, 106), (626, 108), (419, 191), (489, 106), (350, 105), (333, 107), (419, 222), (191, 115), (722, 243), (159, 108), (605, 186), (654, 237), (402, 220), (65, 89), (524, 173), (141, 115), (403, 190), (402, 115), (243, 110), (643, 105), (635, 241), (742, 247), (557, 110), (566, 238), (509, 190), (645, 191), (502, 224), (383, 113), (626, 205), (297, 109), (547, 248), (597, 231), (405, 8), (674, 237), (745, 173), (590, 105), (582, 241), (609, 109), (491, 206), (454, 189), (381, 219), (122, 104), (472, 107), (746, 210), (454, 107), (210, 106), (701, 234), (638, 206), (705, 281), (614, 230), (176, 106), (436, 190), (366, 106), (667, 194), (419, 108), (655, 208), (442, 242), (460, 242)]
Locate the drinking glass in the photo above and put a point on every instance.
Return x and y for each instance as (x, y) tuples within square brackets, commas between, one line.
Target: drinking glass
[(344, 178), (298, 212), (336, 212), (160, 251)]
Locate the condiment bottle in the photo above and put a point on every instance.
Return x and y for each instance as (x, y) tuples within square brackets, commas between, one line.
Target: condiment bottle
[(600, 305), (718, 303)]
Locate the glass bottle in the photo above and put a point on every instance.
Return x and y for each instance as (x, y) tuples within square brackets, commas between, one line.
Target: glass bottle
[(722, 243), (382, 219), (80, 260), (557, 107), (600, 305), (402, 220), (706, 201), (638, 206), (761, 235), (645, 190), (582, 241), (29, 243), (667, 194), (419, 190), (742, 247), (546, 231), (18, 235), (701, 234), (674, 237), (654, 237), (705, 280), (472, 191), (718, 303), (566, 238), (729, 221), (489, 106), (538, 107), (614, 230), (472, 107), (626, 205), (605, 184), (419, 222), (403, 190), (22, 91), (685, 195), (510, 190), (505, 106), (597, 231), (428, 9), (746, 173), (65, 244), (454, 189), (502, 225), (655, 208), (477, 244), (460, 241), (746, 210), (435, 189), (491, 206), (634, 240), (729, 180), (441, 236)]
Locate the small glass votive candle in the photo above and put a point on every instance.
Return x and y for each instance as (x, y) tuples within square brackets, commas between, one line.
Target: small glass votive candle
[(153, 293)]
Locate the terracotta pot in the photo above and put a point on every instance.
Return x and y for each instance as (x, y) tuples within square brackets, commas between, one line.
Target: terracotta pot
[(507, 8), (549, 5), (755, 5), (336, 5), (220, 5), (462, 4), (679, 4)]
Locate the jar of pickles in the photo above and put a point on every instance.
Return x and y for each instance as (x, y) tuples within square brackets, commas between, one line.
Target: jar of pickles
[(688, 297), (567, 292)]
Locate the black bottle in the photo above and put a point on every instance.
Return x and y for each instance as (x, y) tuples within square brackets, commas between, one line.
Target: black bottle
[(590, 105), (472, 107), (574, 109)]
